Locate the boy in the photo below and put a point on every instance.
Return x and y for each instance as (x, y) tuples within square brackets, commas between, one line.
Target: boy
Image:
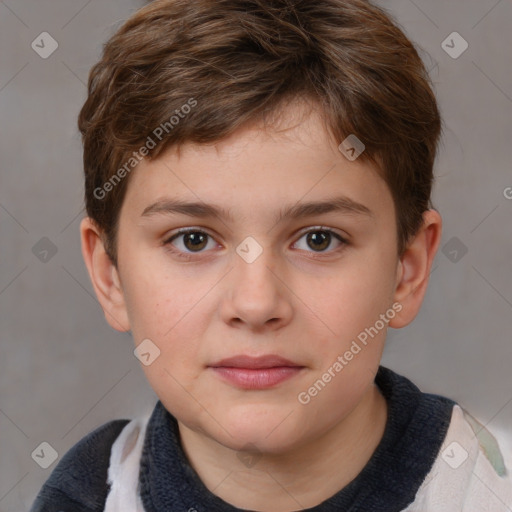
[(258, 178)]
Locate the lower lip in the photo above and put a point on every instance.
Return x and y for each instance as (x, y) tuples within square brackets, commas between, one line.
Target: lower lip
[(261, 378)]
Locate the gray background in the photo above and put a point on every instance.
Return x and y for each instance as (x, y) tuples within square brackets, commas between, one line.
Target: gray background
[(64, 371)]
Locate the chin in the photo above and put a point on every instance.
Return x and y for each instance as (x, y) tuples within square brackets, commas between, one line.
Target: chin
[(257, 444), (267, 435)]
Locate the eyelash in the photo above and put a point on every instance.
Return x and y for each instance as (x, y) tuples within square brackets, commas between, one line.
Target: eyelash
[(189, 255)]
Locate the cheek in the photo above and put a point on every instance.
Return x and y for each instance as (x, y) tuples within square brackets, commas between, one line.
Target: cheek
[(174, 314), (148, 306), (158, 302), (358, 296), (349, 304)]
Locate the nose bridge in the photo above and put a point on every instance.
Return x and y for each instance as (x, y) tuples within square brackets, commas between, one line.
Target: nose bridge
[(255, 293), (253, 264)]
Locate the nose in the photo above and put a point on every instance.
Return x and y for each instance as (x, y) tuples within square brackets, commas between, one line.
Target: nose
[(256, 295)]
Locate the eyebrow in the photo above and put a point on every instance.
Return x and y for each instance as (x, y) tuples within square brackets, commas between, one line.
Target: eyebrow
[(340, 204)]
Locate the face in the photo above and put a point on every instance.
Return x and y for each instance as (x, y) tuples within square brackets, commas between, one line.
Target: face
[(251, 271)]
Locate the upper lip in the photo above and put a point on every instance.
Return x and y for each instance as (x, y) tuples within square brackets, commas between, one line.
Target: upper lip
[(244, 361)]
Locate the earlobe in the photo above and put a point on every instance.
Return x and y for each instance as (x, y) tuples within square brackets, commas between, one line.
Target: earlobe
[(104, 276), (413, 270)]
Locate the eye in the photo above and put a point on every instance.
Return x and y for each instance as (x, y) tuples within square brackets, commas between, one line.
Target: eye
[(188, 241), (320, 239)]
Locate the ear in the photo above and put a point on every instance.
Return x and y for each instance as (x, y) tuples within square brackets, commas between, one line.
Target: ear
[(413, 270), (104, 276)]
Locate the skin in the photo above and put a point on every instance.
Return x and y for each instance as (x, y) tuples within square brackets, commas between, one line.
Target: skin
[(287, 302)]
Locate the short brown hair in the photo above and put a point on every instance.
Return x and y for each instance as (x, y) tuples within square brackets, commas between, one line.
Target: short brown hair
[(235, 61)]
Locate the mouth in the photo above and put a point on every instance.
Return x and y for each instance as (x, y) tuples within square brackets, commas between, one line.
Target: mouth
[(263, 372)]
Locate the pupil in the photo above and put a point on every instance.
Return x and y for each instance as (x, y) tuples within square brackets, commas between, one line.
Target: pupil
[(196, 240), (321, 238)]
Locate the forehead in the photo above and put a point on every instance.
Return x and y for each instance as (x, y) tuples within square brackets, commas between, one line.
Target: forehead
[(259, 169)]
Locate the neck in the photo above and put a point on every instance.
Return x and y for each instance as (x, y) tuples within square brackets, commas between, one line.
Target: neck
[(291, 481)]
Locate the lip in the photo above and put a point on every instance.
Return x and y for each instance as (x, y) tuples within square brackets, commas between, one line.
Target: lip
[(245, 361), (262, 372)]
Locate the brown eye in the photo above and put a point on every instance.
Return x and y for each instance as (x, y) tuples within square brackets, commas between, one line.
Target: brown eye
[(195, 241), (320, 240), (189, 241)]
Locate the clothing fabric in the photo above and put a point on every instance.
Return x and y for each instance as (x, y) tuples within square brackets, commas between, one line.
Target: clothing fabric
[(433, 457)]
